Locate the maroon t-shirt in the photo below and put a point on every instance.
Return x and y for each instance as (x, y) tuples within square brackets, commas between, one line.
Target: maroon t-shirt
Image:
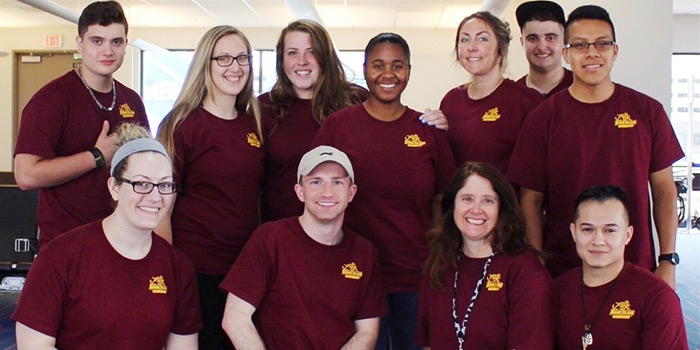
[(566, 146), (400, 166), (515, 308), (307, 294), (565, 82), (642, 312), (60, 120), (88, 296), (286, 142), (220, 165), (485, 130)]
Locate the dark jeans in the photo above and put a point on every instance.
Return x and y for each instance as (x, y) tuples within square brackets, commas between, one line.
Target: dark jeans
[(212, 301), (396, 330)]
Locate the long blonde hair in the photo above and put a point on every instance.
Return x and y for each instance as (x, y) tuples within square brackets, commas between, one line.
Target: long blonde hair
[(198, 83)]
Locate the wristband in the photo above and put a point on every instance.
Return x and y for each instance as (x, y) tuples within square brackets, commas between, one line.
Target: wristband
[(100, 161)]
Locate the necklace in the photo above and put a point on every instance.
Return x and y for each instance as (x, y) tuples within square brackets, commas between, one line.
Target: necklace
[(460, 330), (472, 94), (587, 338), (114, 94)]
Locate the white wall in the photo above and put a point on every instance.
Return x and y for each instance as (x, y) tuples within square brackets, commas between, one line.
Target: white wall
[(644, 29)]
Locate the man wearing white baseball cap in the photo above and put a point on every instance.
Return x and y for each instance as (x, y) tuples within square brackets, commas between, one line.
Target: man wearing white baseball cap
[(313, 283)]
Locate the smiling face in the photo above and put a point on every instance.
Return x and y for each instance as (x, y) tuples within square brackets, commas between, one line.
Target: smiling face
[(601, 233), (142, 211), (591, 67), (476, 210), (103, 49), (387, 71), (477, 48), (543, 43), (228, 81), (326, 192), (300, 63)]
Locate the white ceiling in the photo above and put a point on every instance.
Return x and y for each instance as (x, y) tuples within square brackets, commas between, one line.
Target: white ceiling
[(274, 13)]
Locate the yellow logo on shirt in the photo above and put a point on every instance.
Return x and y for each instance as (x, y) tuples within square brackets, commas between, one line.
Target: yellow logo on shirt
[(491, 115), (126, 112), (493, 282), (157, 285), (625, 121), (622, 310), (350, 271), (253, 140), (413, 141)]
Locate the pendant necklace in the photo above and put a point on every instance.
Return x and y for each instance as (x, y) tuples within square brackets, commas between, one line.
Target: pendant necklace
[(460, 330), (587, 338), (114, 94)]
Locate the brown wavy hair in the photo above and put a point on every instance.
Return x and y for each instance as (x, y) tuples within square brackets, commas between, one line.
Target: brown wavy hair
[(331, 92), (445, 239)]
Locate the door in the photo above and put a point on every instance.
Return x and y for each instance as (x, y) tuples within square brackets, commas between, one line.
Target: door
[(32, 71)]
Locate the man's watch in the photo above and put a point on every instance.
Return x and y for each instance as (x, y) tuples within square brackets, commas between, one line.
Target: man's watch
[(100, 161), (673, 258)]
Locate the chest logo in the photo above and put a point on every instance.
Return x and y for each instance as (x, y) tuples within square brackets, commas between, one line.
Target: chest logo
[(624, 121), (157, 285), (253, 140), (491, 115), (350, 271), (493, 282), (413, 141), (622, 310), (125, 111)]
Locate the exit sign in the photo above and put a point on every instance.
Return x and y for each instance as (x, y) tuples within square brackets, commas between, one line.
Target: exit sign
[(53, 40)]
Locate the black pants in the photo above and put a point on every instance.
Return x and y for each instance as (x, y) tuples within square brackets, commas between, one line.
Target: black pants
[(212, 301)]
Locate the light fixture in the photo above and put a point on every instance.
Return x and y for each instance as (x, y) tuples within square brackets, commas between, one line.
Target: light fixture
[(496, 7)]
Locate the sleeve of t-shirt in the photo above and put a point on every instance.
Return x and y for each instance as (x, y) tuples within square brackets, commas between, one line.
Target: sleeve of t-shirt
[(665, 147), (421, 337), (531, 302), (250, 277), (374, 303), (445, 167), (663, 326), (326, 134), (528, 163), (42, 123), (40, 306), (187, 316)]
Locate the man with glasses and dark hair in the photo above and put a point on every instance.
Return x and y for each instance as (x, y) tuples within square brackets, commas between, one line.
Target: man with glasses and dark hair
[(66, 137), (597, 132)]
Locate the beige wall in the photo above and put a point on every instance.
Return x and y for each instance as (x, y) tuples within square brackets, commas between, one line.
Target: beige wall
[(644, 61)]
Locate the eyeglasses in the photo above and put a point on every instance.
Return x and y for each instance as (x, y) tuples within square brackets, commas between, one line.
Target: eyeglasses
[(145, 187), (227, 60), (601, 46)]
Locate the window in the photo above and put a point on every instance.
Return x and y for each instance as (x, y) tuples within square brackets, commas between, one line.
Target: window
[(685, 74)]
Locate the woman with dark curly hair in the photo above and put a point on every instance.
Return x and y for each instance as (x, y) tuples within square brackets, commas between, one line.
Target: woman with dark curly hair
[(484, 286)]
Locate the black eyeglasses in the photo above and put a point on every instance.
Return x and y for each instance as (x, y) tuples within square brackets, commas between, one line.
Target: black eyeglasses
[(145, 187), (227, 60), (601, 46)]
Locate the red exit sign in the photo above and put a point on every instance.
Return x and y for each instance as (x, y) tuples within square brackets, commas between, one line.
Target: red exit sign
[(53, 40)]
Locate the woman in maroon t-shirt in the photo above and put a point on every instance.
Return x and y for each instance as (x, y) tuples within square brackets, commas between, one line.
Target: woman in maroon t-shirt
[(214, 134), (484, 287), (486, 113)]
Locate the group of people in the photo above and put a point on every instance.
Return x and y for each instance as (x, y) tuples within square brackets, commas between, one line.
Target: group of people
[(324, 215)]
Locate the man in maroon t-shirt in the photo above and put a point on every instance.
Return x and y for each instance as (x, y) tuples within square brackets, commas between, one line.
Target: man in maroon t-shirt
[(597, 132), (542, 37), (65, 140), (311, 283), (608, 302)]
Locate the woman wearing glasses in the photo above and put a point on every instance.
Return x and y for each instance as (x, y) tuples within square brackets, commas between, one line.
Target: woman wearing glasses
[(486, 113), (113, 283), (214, 133), (311, 85)]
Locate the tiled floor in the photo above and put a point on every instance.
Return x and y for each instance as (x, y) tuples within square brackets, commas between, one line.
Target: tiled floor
[(687, 279)]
